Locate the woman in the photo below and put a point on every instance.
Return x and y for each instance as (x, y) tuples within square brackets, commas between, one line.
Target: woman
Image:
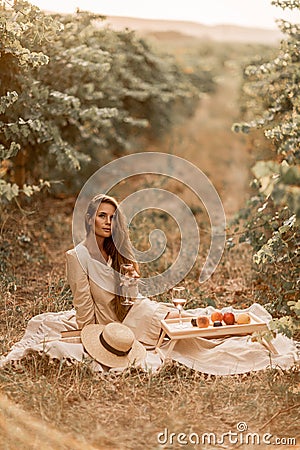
[(93, 268)]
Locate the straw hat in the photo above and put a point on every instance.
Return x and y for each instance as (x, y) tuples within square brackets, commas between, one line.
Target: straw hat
[(113, 344)]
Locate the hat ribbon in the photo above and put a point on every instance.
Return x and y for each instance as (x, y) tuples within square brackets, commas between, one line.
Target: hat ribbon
[(112, 349)]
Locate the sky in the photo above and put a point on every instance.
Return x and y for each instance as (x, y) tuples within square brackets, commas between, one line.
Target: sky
[(253, 13)]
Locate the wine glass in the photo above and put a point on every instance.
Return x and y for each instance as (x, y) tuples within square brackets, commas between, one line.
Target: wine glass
[(128, 274), (179, 300)]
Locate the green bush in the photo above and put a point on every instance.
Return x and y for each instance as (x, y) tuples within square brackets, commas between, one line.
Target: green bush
[(75, 94), (272, 216)]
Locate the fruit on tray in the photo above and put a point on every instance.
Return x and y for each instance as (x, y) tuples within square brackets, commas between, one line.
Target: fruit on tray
[(229, 318), (216, 316), (202, 321), (243, 318)]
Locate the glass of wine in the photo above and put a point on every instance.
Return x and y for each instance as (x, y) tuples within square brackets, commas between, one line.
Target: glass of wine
[(127, 275), (179, 300)]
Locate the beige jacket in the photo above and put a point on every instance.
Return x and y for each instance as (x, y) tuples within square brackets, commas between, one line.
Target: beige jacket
[(92, 286)]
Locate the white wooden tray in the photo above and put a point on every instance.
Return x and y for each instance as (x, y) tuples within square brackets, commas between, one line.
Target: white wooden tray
[(170, 326), (171, 329)]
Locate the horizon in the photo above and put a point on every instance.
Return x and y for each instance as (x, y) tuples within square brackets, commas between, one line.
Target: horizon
[(248, 14), (192, 22)]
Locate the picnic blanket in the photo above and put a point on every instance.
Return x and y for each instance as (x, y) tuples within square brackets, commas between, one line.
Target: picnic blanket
[(221, 356)]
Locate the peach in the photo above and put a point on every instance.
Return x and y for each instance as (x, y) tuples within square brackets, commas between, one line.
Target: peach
[(202, 321), (243, 318), (229, 318), (216, 316)]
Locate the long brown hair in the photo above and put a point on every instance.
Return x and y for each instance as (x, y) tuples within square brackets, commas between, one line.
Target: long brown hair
[(118, 246)]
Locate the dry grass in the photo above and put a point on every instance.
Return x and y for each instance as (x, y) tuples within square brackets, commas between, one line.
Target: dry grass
[(129, 410), (19, 431)]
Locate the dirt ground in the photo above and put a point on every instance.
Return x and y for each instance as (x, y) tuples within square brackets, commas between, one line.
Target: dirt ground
[(207, 141)]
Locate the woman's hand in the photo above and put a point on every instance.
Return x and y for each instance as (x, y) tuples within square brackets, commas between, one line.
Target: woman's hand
[(129, 279), (134, 278), (128, 282)]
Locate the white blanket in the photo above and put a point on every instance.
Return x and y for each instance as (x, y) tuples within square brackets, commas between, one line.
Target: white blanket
[(222, 356)]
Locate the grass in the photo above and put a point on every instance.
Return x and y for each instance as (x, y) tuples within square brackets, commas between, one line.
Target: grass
[(139, 405)]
